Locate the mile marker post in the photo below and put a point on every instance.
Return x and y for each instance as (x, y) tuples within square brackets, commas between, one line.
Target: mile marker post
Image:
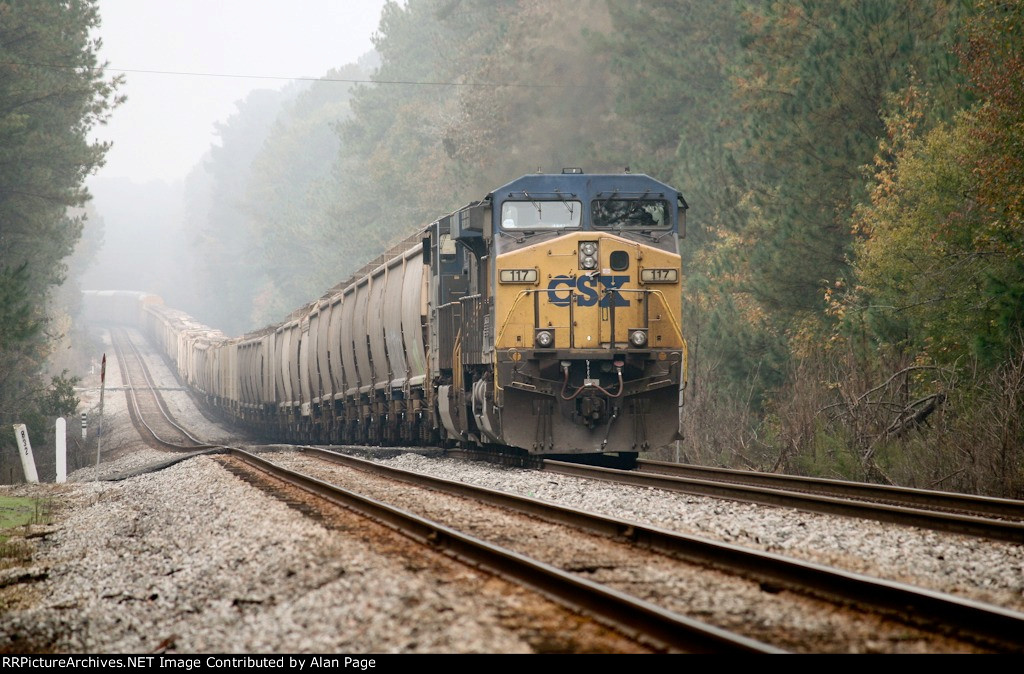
[(61, 449), (28, 462)]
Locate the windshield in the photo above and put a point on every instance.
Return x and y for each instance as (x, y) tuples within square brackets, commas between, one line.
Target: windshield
[(541, 214), (632, 213)]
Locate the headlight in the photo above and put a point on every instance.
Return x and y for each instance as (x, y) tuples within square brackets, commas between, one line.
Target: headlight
[(543, 338), (588, 255), (638, 337)]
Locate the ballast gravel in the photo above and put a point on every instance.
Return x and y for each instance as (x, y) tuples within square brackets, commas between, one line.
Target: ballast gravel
[(193, 559), (976, 568), (783, 619)]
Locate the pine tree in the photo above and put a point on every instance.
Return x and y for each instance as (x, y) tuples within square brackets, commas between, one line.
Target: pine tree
[(813, 85), (52, 94)]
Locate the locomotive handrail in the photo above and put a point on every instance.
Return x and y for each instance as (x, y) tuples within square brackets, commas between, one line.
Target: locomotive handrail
[(653, 291), (511, 310), (535, 291), (501, 333), (686, 363)]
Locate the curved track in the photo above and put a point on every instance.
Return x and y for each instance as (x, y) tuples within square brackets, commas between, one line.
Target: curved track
[(645, 622), (664, 629), (148, 411), (964, 504), (971, 620), (940, 520), (661, 628)]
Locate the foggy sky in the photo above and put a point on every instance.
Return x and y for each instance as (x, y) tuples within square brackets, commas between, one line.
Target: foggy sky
[(167, 124)]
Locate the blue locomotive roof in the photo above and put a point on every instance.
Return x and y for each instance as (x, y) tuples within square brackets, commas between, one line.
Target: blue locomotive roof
[(586, 186), (610, 204)]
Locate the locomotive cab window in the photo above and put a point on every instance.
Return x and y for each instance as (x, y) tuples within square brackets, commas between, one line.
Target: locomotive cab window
[(630, 213), (541, 214), (447, 248)]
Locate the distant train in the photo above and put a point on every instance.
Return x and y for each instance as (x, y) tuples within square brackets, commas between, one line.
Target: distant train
[(545, 317)]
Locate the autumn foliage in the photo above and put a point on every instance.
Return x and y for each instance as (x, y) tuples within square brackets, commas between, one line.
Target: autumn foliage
[(854, 298)]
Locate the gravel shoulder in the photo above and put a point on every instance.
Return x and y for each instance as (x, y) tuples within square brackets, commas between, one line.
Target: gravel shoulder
[(781, 618), (983, 570), (194, 559)]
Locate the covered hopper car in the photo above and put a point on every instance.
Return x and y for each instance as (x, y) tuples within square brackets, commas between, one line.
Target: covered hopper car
[(544, 317)]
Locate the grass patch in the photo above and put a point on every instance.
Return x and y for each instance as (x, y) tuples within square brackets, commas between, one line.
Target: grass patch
[(17, 512)]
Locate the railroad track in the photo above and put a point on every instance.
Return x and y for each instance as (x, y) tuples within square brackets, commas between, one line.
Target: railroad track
[(963, 504), (644, 622), (974, 516), (146, 407), (664, 629), (974, 622)]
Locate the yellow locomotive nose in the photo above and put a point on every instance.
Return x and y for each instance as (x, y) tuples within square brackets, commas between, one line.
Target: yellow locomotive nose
[(588, 346), (588, 291)]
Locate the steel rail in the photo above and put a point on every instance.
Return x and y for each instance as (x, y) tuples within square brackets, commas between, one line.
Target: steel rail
[(940, 521), (928, 609), (135, 410), (641, 620), (161, 403), (934, 500)]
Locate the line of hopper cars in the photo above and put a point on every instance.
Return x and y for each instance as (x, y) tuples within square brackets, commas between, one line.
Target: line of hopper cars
[(544, 317)]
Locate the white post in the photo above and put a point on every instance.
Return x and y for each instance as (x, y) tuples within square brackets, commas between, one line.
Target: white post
[(62, 450), (25, 451), (83, 425)]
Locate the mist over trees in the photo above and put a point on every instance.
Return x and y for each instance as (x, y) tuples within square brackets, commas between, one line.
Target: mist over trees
[(141, 242), (854, 270), (853, 259), (46, 114)]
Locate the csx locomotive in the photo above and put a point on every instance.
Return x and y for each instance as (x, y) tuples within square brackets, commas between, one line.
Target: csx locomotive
[(545, 317)]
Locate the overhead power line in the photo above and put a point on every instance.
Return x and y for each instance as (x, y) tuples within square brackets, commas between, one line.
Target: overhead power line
[(185, 73)]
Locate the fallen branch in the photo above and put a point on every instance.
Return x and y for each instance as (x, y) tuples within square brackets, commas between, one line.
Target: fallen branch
[(915, 414), (903, 371)]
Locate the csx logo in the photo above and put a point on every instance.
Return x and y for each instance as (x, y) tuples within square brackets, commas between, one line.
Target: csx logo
[(590, 289)]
